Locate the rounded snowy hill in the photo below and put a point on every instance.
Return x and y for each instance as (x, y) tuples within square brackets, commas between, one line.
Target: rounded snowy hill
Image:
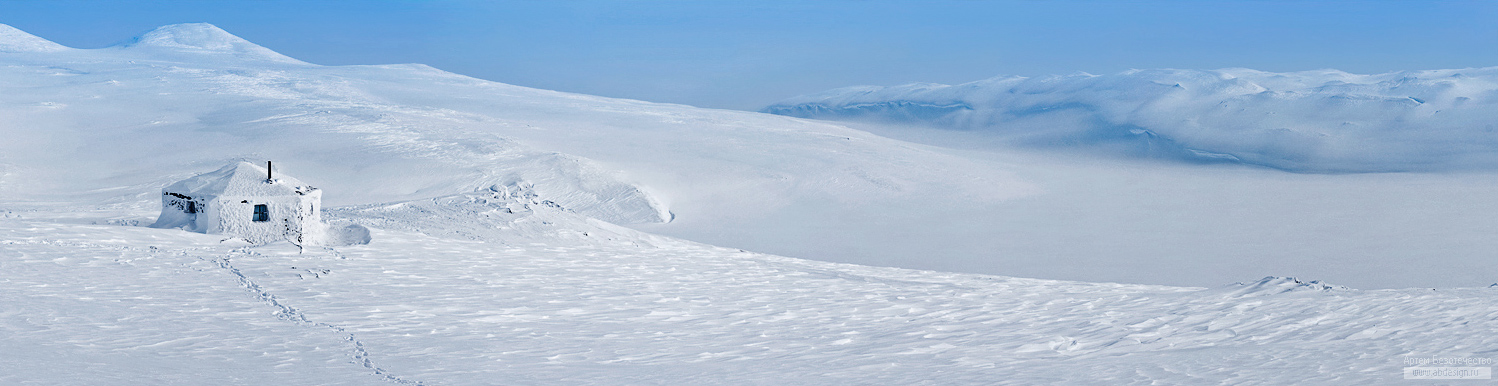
[(1313, 121), (201, 38)]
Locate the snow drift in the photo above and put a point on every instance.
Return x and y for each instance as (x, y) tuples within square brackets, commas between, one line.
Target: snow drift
[(1312, 121)]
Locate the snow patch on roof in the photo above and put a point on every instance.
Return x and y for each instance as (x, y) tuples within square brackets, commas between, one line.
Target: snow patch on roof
[(239, 179)]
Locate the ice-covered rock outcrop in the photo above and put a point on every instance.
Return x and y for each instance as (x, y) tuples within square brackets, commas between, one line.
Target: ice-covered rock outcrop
[(1274, 285), (1314, 121)]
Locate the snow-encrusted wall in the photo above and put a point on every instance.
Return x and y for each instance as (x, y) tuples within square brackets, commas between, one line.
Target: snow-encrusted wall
[(292, 218), (223, 202)]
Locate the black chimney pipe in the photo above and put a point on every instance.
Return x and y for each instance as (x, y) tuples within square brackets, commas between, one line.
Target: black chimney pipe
[(267, 172)]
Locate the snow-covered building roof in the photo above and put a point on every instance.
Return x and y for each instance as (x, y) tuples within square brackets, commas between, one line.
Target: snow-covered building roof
[(240, 179)]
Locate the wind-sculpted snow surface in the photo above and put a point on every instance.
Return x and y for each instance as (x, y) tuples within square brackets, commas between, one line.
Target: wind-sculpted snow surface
[(108, 128), (1315, 121), (534, 295)]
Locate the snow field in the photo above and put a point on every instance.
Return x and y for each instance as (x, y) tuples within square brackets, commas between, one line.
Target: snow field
[(132, 305), (549, 305), (495, 258)]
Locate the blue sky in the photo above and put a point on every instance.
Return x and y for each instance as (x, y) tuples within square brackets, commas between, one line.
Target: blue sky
[(746, 54)]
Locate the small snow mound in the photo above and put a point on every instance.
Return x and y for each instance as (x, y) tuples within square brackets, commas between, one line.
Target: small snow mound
[(202, 37), (346, 235), (15, 40), (1274, 285), (582, 186)]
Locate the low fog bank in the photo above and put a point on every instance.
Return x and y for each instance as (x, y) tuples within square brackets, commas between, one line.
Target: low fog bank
[(1323, 121)]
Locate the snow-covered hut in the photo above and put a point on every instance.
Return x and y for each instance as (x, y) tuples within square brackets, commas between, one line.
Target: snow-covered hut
[(246, 201)]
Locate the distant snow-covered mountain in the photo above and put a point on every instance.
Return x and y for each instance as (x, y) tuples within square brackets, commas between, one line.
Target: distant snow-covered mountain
[(1312, 121), (202, 38)]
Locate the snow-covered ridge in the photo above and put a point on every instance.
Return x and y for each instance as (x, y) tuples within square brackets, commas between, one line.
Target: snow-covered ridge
[(202, 38), (13, 40), (1316, 121), (166, 41)]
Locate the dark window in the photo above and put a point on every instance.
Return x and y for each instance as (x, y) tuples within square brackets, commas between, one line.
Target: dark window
[(192, 207), (262, 213)]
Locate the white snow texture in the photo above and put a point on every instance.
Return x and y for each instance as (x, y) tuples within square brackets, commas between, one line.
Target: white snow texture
[(475, 242)]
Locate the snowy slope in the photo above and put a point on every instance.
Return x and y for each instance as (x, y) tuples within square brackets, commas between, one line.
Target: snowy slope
[(1315, 121), (13, 40), (109, 127), (189, 41), (188, 97), (563, 302), (120, 122), (185, 98), (496, 258)]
